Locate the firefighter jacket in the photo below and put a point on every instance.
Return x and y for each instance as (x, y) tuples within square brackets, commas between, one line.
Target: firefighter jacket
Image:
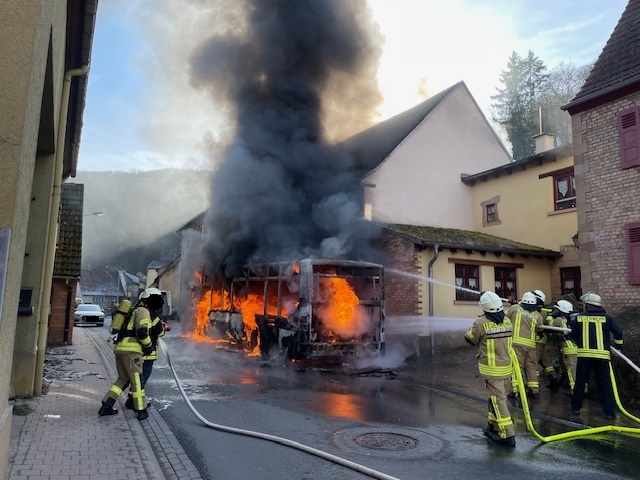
[(591, 330), (155, 331), (563, 340), (494, 346), (525, 325), (134, 336)]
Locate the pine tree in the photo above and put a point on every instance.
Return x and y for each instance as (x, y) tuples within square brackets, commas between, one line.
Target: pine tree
[(517, 103)]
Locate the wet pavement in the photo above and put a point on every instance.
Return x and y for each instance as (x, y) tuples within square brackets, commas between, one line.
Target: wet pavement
[(425, 415)]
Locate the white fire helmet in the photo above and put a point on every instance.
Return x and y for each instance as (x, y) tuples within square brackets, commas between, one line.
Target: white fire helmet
[(565, 306), (490, 302), (148, 292), (592, 299), (528, 298), (540, 294)]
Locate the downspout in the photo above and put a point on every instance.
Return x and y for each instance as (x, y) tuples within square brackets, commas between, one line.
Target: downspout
[(47, 281), (436, 251), (68, 313)]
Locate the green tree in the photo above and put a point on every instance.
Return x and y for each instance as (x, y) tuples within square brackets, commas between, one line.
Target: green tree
[(517, 103)]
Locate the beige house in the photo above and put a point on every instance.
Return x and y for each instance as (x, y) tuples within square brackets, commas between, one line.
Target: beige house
[(412, 162), (45, 46)]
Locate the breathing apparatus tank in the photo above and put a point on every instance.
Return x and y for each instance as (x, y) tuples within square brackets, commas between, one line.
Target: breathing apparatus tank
[(118, 318)]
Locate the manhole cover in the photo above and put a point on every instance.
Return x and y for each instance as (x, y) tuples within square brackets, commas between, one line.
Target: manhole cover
[(392, 442), (389, 442)]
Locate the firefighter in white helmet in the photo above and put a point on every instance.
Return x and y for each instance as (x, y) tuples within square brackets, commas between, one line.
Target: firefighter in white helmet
[(559, 351), (133, 341), (545, 362), (592, 330), (151, 298), (491, 333), (526, 323)]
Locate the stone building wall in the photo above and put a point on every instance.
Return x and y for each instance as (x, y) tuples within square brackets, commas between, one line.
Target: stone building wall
[(607, 199)]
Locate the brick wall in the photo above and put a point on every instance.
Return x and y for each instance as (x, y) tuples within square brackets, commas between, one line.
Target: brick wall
[(401, 293), (607, 199)]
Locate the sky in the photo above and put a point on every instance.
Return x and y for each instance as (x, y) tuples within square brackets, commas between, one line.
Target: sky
[(143, 113)]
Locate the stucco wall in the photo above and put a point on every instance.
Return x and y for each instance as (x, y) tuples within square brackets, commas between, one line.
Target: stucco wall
[(607, 199), (25, 31), (525, 207), (419, 184)]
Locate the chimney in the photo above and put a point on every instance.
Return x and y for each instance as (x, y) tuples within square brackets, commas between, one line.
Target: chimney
[(544, 141)]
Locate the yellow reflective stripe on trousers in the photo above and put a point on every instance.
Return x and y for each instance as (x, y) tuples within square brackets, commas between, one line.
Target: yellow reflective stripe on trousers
[(494, 371)]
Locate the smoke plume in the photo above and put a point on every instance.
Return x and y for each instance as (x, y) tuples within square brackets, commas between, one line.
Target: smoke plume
[(290, 71)]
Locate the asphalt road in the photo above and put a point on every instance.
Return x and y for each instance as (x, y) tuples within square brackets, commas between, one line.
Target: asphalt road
[(386, 422)]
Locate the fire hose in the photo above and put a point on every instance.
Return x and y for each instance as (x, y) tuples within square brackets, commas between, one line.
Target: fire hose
[(581, 432), (271, 438)]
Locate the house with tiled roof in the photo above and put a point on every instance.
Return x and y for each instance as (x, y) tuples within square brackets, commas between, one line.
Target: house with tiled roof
[(413, 160), (458, 216), (66, 268), (605, 117)]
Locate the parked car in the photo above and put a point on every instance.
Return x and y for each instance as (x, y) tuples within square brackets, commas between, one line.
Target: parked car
[(88, 314)]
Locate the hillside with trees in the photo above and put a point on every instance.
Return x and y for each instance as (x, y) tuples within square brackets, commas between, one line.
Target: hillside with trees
[(142, 211)]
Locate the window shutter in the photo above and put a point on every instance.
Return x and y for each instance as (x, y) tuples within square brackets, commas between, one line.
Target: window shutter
[(628, 126), (633, 252)]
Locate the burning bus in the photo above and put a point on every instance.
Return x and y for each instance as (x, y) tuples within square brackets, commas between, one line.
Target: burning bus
[(309, 309)]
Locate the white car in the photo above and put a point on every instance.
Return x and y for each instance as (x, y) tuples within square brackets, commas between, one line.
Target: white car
[(88, 314)]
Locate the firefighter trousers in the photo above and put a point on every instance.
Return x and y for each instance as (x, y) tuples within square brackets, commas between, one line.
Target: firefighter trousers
[(528, 360), (499, 416), (605, 389), (129, 366)]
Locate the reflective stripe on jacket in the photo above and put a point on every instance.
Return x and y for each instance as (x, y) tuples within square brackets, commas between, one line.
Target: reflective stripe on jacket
[(135, 334), (494, 345), (591, 332), (155, 331), (524, 326)]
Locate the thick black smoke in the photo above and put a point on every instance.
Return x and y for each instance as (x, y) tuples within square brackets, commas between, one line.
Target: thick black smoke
[(281, 191)]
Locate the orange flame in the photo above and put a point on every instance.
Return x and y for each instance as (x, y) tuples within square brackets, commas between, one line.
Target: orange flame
[(341, 311)]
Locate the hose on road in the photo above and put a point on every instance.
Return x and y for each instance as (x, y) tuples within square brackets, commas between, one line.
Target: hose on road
[(271, 438)]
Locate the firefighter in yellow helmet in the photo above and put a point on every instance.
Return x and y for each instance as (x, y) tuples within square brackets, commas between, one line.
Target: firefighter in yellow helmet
[(491, 333), (526, 323), (133, 341)]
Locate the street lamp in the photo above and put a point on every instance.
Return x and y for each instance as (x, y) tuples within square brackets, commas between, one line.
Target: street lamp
[(97, 214), (575, 240)]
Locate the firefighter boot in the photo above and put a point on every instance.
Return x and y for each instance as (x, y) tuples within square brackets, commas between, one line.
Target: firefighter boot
[(129, 402), (107, 408), (143, 414), (509, 441), (488, 430)]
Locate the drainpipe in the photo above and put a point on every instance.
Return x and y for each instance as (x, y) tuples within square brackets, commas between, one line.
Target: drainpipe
[(436, 251), (47, 280), (68, 313)]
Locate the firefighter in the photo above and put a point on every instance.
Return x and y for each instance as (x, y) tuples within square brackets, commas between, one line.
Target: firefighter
[(491, 333), (157, 329), (133, 341), (560, 351), (591, 330), (526, 323), (548, 368)]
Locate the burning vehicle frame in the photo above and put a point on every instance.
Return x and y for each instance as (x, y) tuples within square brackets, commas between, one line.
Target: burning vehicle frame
[(310, 309)]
